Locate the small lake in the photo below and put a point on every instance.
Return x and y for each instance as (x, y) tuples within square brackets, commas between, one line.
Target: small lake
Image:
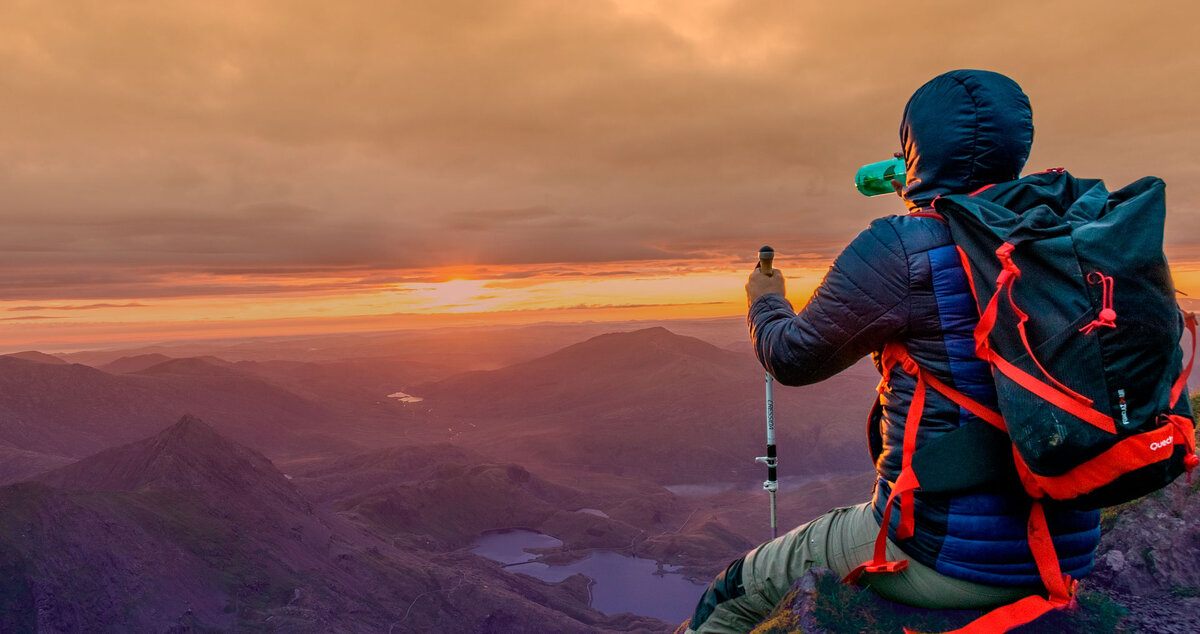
[(621, 584), (405, 398)]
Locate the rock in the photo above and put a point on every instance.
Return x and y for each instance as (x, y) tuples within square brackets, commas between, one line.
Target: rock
[(818, 603), (1115, 560)]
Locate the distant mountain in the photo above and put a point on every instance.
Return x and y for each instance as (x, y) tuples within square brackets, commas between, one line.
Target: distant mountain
[(135, 363), (656, 404), (622, 368), (37, 357), (358, 387), (357, 383), (192, 366), (74, 410), (189, 532)]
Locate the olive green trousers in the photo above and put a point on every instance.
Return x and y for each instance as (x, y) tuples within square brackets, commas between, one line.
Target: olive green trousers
[(841, 540)]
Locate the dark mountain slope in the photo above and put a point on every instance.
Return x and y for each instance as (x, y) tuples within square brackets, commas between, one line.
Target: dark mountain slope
[(188, 531), (188, 456), (18, 464)]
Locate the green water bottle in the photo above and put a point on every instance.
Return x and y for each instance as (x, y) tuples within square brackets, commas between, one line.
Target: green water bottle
[(876, 178)]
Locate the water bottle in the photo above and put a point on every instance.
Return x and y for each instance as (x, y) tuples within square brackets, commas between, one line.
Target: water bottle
[(876, 178)]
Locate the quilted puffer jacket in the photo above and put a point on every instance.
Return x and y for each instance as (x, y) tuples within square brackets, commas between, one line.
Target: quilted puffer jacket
[(901, 280)]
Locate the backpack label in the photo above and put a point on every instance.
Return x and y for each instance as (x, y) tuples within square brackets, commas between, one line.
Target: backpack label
[(1124, 407), (1155, 446)]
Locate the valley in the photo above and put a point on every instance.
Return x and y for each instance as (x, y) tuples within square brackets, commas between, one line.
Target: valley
[(298, 493)]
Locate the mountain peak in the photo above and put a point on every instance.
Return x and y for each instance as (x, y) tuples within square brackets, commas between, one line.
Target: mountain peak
[(654, 345), (188, 455), (652, 333), (190, 426)]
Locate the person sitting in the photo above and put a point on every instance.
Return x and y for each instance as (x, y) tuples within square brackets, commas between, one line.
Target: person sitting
[(901, 280)]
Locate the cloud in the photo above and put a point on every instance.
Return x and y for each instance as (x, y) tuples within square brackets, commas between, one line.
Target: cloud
[(489, 220), (269, 138), (78, 307)]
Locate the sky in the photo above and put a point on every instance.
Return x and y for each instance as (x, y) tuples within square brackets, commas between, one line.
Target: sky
[(198, 169)]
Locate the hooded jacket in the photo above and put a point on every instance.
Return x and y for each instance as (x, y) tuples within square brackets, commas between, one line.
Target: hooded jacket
[(902, 280)]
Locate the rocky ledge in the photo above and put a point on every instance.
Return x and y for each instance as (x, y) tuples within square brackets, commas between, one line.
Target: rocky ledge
[(1146, 580)]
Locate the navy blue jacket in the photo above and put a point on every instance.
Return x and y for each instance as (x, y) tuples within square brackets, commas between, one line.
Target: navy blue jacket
[(901, 280)]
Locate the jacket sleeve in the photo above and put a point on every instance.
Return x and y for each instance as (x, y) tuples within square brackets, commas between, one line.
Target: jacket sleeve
[(861, 304)]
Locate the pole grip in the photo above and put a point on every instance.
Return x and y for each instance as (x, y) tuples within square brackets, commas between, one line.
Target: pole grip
[(766, 257)]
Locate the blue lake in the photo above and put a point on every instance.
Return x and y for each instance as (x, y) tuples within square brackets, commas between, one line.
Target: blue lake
[(621, 584)]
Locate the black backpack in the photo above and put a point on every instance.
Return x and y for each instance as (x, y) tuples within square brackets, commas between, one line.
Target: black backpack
[(1079, 321)]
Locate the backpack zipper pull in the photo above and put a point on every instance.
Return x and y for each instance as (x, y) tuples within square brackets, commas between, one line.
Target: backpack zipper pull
[(1107, 317)]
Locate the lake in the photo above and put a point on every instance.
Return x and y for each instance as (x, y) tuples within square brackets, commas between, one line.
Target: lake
[(405, 398), (621, 583)]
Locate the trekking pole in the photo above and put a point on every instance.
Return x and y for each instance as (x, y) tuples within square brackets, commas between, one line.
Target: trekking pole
[(766, 256)]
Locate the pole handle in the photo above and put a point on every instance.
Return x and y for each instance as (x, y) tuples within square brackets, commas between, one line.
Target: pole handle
[(766, 256)]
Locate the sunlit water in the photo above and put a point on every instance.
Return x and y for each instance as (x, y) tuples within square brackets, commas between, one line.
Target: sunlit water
[(621, 584), (596, 512)]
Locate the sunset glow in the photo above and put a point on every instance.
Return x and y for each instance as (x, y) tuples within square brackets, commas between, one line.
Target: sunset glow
[(660, 290), (184, 170)]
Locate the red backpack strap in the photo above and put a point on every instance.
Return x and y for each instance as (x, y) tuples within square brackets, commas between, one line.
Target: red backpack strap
[(906, 483), (879, 562), (1189, 321), (973, 406)]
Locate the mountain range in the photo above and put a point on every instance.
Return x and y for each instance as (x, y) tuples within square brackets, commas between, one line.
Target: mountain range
[(112, 525), (71, 410), (189, 531)]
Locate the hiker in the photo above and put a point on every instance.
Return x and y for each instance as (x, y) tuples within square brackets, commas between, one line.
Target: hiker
[(901, 280)]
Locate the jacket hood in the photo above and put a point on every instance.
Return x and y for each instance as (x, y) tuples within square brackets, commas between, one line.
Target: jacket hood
[(962, 130)]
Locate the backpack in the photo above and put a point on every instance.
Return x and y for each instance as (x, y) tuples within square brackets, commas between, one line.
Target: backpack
[(1079, 321)]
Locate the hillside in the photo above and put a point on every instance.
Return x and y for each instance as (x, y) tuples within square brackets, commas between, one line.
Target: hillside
[(74, 410), (441, 497), (651, 403), (188, 456), (18, 464)]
